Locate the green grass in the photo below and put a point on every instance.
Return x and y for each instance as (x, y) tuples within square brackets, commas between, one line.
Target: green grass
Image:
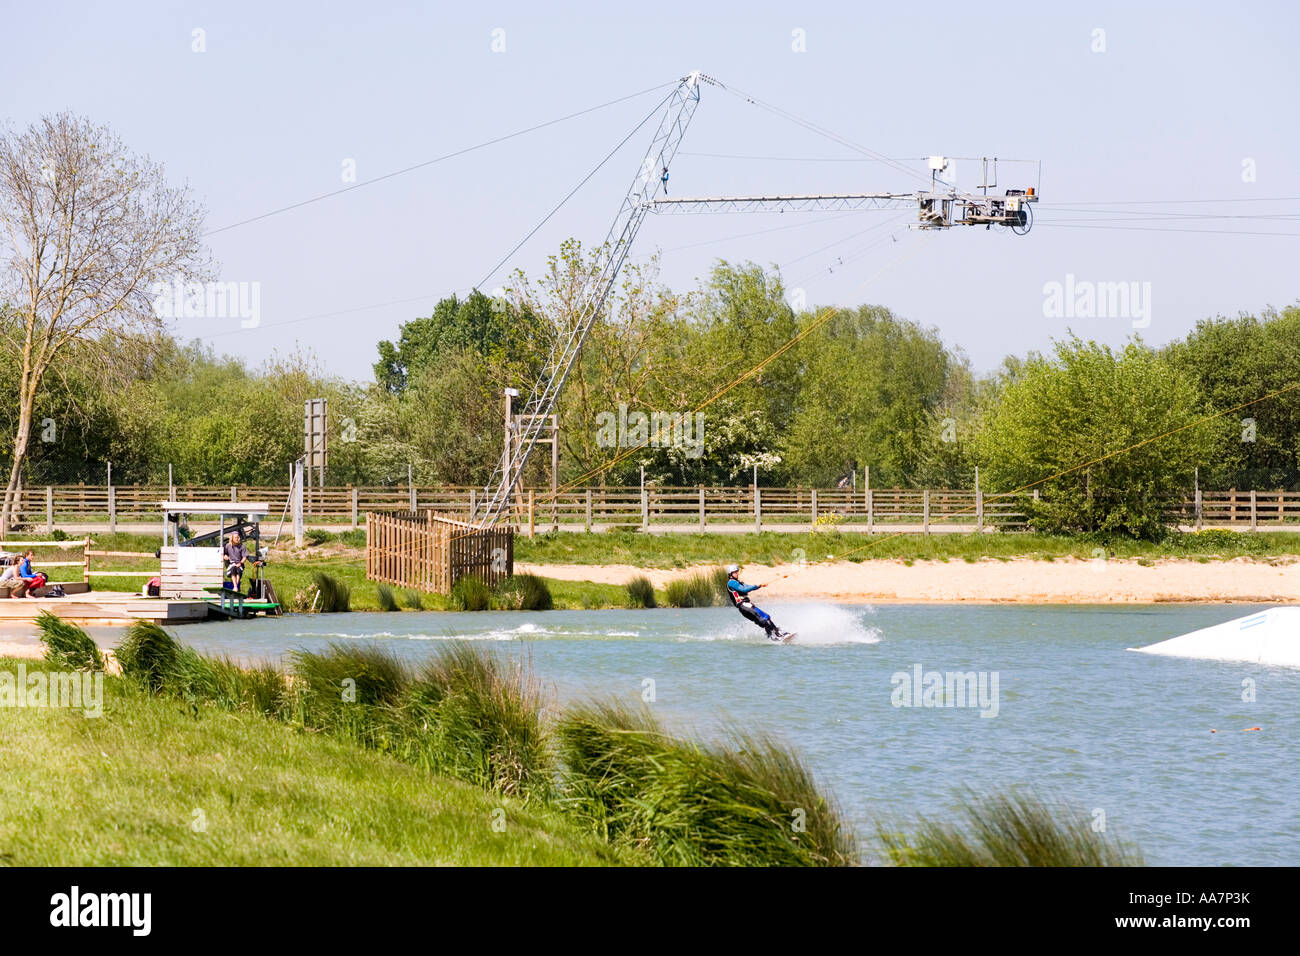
[(484, 717), (335, 595), (133, 788), (1010, 829), (68, 646), (387, 600), (470, 593), (524, 592), (694, 590), (640, 592), (750, 802)]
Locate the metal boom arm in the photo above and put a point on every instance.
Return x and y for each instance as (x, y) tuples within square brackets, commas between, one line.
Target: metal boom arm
[(568, 343)]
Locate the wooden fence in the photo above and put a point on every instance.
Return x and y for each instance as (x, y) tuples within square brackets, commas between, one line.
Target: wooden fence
[(698, 506), (432, 552), (82, 564)]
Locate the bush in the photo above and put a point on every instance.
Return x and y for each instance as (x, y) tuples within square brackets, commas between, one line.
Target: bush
[(149, 656), (470, 593), (720, 591), (351, 673), (484, 721), (640, 592), (413, 600), (1008, 830), (696, 590), (335, 596), (350, 690), (1079, 426), (318, 536), (67, 645), (526, 592), (692, 805), (386, 600)]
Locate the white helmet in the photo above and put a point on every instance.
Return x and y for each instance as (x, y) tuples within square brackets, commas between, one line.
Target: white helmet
[(733, 568)]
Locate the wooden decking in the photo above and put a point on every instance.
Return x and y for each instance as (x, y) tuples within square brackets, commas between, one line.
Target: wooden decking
[(104, 607)]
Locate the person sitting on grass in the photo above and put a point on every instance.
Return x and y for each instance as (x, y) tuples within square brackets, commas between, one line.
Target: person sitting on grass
[(29, 578), (236, 556)]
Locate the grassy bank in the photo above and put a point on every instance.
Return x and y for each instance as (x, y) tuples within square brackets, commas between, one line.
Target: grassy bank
[(354, 758), (155, 781), (293, 570), (770, 548)]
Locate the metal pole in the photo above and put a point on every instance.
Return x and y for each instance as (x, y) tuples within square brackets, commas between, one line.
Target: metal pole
[(297, 503)]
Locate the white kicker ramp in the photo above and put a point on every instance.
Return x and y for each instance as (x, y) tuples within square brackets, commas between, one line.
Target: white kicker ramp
[(1269, 637)]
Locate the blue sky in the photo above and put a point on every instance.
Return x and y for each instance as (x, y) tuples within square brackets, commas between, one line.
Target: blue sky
[(1182, 96)]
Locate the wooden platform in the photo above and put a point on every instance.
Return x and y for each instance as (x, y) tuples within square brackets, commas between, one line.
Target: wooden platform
[(104, 608)]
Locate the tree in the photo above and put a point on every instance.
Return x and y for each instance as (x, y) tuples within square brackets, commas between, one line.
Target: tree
[(495, 328), (1236, 361), (1116, 435), (89, 229), (871, 390)]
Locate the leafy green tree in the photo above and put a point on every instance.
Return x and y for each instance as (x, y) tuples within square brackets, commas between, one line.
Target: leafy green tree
[(870, 393), (1236, 361), (498, 329), (1114, 433)]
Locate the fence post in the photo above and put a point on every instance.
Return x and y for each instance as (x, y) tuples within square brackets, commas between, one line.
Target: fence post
[(234, 492), (49, 508), (85, 561), (645, 504), (866, 490), (701, 507), (1198, 509), (925, 511), (355, 509), (979, 502), (297, 503), (1252, 510), (814, 507), (587, 522), (532, 495)]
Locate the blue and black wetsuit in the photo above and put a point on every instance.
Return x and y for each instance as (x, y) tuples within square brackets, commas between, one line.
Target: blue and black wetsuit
[(739, 596)]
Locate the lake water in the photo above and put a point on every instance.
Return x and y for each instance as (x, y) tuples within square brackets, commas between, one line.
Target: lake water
[(1077, 715)]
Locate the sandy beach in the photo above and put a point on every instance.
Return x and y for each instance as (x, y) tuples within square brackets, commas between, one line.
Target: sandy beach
[(1015, 581)]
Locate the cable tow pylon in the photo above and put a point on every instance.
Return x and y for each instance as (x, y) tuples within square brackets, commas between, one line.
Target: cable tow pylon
[(650, 179)]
